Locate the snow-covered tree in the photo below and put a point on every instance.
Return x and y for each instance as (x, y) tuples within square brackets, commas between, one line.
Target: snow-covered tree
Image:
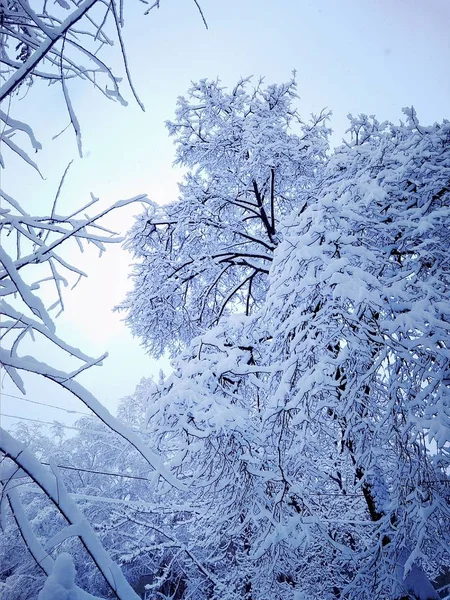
[(303, 437), (359, 316), (315, 425), (250, 161), (140, 529)]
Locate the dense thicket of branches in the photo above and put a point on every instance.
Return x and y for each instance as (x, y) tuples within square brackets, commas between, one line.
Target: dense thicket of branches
[(312, 414), (250, 161)]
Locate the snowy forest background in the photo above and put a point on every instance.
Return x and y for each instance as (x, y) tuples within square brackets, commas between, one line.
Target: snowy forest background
[(298, 447)]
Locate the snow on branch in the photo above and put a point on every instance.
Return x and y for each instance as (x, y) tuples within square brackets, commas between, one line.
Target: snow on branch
[(53, 486), (65, 380), (56, 42)]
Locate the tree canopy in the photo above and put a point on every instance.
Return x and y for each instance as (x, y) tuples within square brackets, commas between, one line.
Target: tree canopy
[(312, 415), (250, 160)]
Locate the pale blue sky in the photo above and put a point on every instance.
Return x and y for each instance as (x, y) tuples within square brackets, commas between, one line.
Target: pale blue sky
[(350, 56)]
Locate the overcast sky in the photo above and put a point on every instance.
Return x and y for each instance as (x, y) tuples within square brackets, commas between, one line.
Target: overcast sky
[(353, 56)]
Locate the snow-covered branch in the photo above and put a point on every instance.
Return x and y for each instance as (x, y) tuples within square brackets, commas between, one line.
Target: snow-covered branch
[(53, 486)]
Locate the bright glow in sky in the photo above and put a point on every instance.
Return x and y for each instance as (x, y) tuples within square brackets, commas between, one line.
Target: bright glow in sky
[(350, 56)]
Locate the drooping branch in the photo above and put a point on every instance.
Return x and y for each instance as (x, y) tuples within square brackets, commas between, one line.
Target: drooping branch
[(53, 486), (65, 380)]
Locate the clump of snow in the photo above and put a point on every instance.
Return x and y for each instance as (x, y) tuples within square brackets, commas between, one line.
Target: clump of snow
[(60, 585), (419, 585)]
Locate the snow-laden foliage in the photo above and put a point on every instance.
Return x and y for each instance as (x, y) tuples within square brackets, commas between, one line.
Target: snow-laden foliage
[(250, 161), (315, 430), (140, 529), (359, 315)]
